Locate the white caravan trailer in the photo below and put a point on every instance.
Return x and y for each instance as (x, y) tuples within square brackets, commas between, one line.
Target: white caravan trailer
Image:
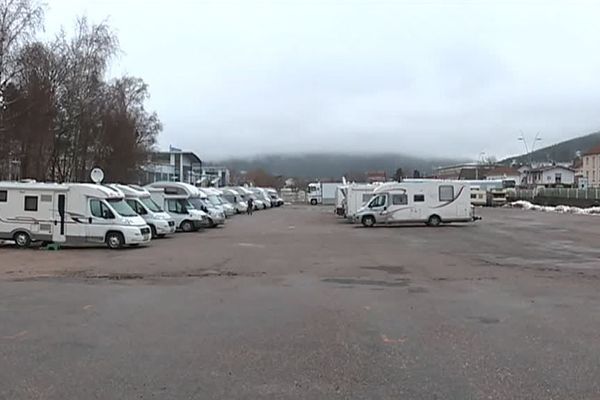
[(141, 202), (186, 216), (234, 198), (357, 195), (322, 193), (430, 201), (68, 213)]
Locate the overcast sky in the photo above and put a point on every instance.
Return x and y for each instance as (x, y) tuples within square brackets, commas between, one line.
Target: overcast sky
[(442, 78)]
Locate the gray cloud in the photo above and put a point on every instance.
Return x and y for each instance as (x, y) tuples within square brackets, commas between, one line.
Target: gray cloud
[(248, 77)]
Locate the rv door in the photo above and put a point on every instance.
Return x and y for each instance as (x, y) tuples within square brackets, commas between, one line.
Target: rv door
[(99, 218), (379, 207), (59, 230)]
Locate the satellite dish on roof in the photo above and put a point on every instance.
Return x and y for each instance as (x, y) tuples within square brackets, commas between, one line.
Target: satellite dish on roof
[(97, 175)]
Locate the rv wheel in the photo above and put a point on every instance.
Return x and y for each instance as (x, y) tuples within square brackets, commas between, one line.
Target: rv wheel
[(154, 235), (368, 221), (187, 226), (114, 240), (434, 220), (313, 202), (22, 239)]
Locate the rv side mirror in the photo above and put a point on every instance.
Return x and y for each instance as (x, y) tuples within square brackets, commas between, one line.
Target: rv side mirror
[(384, 208)]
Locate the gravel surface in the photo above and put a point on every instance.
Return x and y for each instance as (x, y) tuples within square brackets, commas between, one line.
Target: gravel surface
[(293, 303)]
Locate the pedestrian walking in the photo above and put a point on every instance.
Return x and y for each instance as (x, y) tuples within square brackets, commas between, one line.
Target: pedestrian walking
[(250, 205)]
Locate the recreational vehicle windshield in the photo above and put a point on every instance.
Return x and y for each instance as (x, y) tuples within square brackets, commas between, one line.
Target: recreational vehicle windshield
[(426, 201), (140, 200)]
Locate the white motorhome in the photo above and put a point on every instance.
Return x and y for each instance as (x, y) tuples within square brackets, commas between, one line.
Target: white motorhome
[(187, 218), (231, 195), (215, 197), (430, 201), (322, 192), (76, 213), (276, 200), (357, 195), (140, 200), (248, 194), (262, 195), (198, 199)]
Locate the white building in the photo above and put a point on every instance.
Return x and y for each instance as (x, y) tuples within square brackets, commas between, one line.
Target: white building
[(590, 168), (173, 165), (548, 176)]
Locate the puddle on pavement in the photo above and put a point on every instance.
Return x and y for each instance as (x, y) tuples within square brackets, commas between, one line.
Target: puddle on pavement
[(390, 269), (368, 282), (485, 320)]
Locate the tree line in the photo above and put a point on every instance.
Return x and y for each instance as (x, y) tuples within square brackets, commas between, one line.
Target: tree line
[(59, 114)]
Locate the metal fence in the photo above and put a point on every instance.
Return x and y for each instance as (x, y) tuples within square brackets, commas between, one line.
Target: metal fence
[(561, 193)]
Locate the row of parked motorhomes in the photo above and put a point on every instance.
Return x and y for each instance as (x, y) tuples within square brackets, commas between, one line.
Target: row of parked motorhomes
[(117, 214), (429, 201)]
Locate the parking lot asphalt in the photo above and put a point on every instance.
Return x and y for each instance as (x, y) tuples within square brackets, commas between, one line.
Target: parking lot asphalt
[(294, 303)]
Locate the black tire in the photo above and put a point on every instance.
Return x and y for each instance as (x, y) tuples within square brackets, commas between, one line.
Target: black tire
[(368, 221), (161, 235), (187, 226), (313, 202), (22, 239), (434, 220), (154, 235), (211, 223), (115, 240)]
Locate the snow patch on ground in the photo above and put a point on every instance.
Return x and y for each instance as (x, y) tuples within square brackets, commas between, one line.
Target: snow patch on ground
[(526, 205)]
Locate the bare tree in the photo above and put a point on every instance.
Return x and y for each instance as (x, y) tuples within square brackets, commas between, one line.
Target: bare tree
[(19, 21)]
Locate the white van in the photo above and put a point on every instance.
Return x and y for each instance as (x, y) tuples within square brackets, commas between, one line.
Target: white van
[(187, 218), (141, 202), (77, 213), (430, 201)]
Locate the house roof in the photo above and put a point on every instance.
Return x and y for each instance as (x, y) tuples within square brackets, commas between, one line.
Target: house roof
[(593, 150), (550, 167), (185, 153), (502, 170)]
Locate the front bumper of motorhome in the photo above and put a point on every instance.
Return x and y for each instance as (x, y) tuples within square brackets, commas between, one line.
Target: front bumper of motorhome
[(164, 226), (136, 234)]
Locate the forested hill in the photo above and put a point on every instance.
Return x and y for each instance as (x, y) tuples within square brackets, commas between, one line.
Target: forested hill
[(335, 165), (560, 152)]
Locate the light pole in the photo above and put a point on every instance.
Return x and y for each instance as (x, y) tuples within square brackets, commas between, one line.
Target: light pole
[(528, 153)]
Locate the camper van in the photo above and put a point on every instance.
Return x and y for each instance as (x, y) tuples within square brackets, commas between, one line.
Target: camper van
[(357, 195), (76, 213), (429, 201), (215, 197), (247, 194), (276, 200), (141, 202), (196, 198), (187, 218), (262, 195), (235, 199)]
